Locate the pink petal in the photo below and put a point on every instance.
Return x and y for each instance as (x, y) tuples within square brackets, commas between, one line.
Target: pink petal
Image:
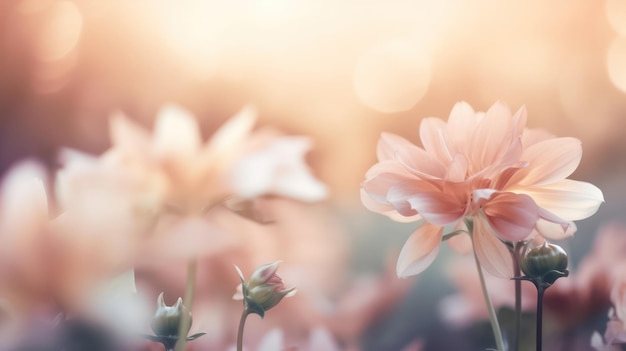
[(549, 161), (23, 201), (420, 250), (382, 177), (128, 135), (492, 254), (492, 137), (432, 134), (388, 144), (322, 339), (424, 198), (461, 124), (534, 136), (230, 136), (272, 341), (386, 209), (461, 243), (511, 216), (176, 133), (279, 169), (555, 230), (569, 199), (420, 163)]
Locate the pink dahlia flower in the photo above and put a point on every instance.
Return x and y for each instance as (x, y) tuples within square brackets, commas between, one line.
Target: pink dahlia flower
[(487, 168)]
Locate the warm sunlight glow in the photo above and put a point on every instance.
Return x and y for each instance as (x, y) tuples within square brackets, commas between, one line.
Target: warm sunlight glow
[(60, 32), (616, 63), (392, 77)]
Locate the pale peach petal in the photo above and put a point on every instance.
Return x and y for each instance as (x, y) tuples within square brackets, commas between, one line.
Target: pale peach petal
[(457, 171), (533, 136), (322, 339), (432, 134), (420, 163), (461, 124), (386, 209), (272, 341), (278, 169), (493, 255), (231, 135), (176, 133), (388, 144), (128, 135), (381, 177), (461, 243), (555, 231), (435, 207), (569, 199), (23, 202), (492, 136), (511, 216), (420, 250), (549, 161)]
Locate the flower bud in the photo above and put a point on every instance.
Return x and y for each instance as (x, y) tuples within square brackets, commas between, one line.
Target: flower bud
[(544, 264), (264, 290), (167, 319)]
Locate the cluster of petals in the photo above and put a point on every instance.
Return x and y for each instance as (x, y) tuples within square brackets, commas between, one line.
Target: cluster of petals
[(167, 180), (509, 181)]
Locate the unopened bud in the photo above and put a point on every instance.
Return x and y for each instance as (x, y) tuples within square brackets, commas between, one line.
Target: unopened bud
[(264, 290), (167, 319), (544, 264)]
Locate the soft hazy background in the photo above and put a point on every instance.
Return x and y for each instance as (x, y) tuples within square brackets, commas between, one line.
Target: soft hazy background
[(340, 71)]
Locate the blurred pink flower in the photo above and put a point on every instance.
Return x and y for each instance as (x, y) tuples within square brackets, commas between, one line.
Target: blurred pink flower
[(153, 185), (319, 339), (488, 167), (234, 162)]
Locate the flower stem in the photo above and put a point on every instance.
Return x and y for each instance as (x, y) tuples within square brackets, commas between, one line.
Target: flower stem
[(242, 323), (540, 291), (516, 254), (189, 293), (495, 326)]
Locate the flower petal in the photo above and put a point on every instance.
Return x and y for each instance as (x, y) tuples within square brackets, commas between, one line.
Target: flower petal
[(387, 145), (492, 137), (433, 136), (492, 254), (278, 169), (569, 199), (511, 216), (176, 133), (272, 341), (128, 135), (419, 251), (461, 124), (322, 339), (386, 209), (554, 230), (436, 207), (549, 161)]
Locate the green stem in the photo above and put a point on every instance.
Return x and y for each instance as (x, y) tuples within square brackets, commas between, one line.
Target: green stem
[(242, 323), (495, 326), (187, 302), (540, 291), (516, 254)]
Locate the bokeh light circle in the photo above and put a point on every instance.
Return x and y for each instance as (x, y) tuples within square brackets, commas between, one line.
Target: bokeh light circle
[(616, 63), (392, 76)]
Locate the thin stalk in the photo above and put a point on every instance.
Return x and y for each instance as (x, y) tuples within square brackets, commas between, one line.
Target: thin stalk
[(540, 291), (242, 323), (516, 254), (495, 326), (192, 266)]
